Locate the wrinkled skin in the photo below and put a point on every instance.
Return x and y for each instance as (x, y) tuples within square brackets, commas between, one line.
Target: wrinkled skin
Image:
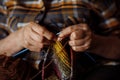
[(80, 37), (34, 37)]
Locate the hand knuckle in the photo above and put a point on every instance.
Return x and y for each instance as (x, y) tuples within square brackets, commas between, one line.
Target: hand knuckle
[(74, 48), (71, 28), (41, 39)]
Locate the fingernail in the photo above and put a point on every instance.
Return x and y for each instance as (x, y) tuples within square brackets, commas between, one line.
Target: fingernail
[(85, 28), (59, 39)]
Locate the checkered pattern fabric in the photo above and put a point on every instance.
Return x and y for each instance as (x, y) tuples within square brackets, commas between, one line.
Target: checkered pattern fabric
[(19, 12)]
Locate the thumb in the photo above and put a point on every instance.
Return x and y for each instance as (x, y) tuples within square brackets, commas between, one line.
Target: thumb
[(65, 33)]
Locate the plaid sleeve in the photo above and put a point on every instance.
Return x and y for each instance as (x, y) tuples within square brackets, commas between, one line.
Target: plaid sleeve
[(4, 31), (105, 17), (22, 12), (3, 13)]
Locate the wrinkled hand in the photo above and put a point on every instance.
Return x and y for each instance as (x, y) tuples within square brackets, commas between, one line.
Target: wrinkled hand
[(35, 37), (80, 37)]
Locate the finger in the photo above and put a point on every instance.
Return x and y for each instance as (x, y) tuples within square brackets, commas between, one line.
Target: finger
[(78, 34), (33, 37), (79, 42), (43, 31), (36, 37), (81, 48), (85, 29), (37, 48), (34, 48), (29, 41), (67, 31), (83, 26), (44, 43)]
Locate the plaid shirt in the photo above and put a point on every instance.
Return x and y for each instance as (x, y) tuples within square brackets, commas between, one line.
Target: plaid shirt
[(61, 13), (21, 12)]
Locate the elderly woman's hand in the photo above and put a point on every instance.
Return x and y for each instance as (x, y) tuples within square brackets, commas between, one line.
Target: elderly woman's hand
[(35, 37), (80, 36)]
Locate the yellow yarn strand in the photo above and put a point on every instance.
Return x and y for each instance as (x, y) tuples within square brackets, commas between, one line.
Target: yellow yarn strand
[(62, 58), (61, 53)]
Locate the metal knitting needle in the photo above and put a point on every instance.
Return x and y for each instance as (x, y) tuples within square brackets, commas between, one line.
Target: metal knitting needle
[(74, 21), (24, 51), (20, 53)]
